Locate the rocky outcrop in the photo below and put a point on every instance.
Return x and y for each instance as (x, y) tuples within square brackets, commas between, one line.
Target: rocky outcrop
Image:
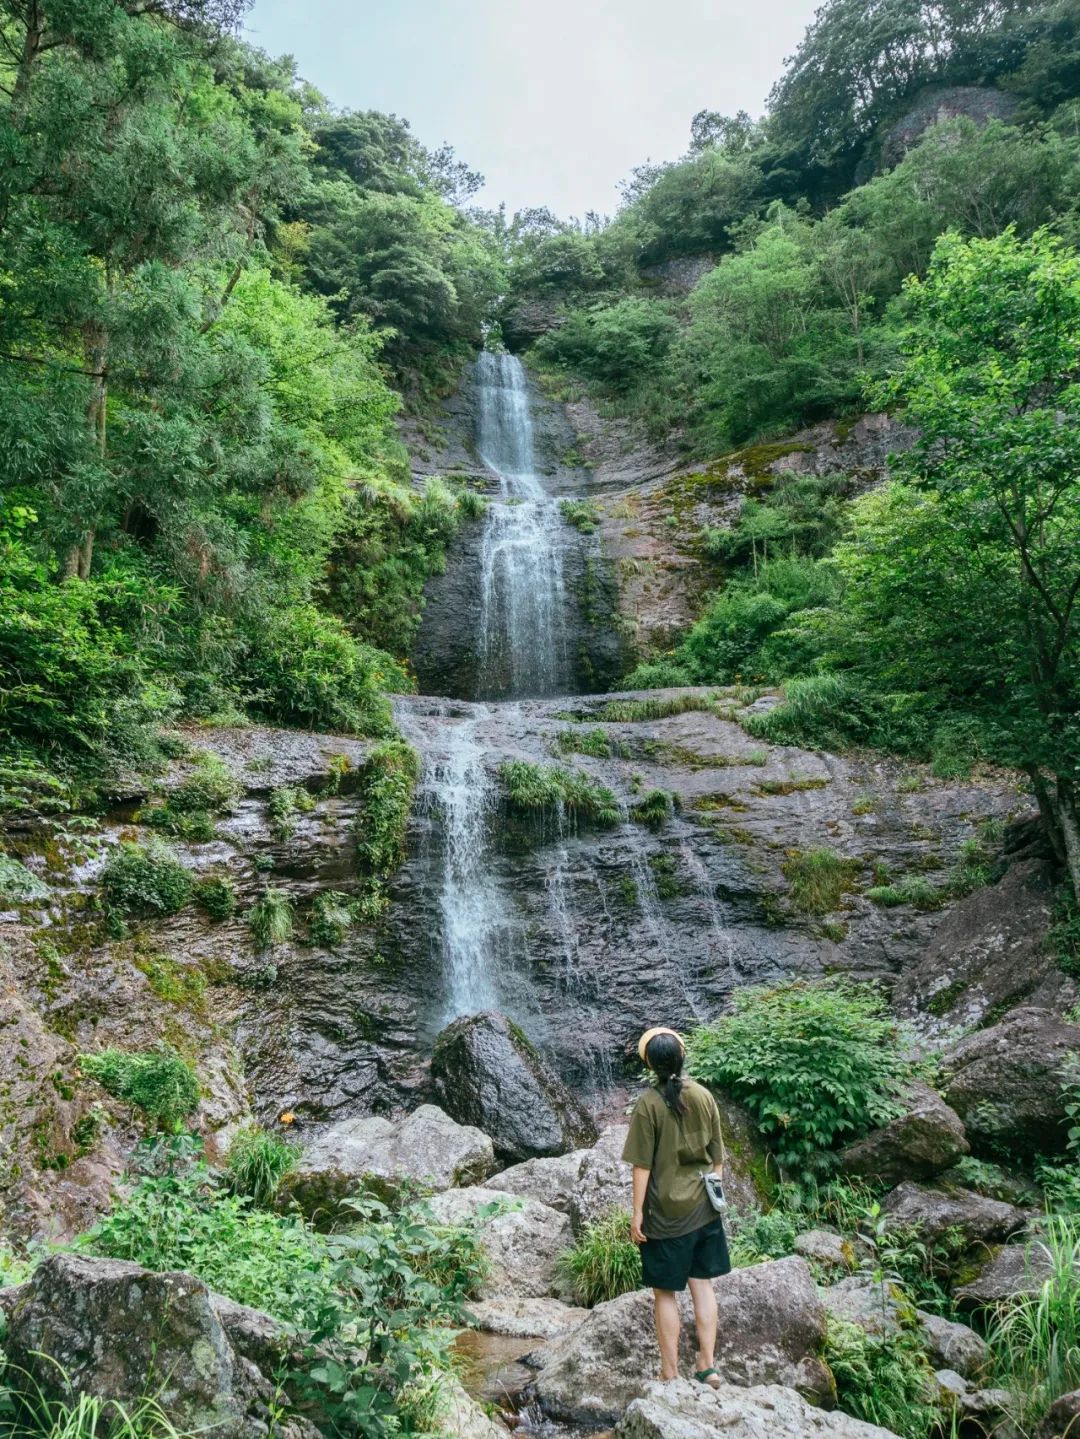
[(988, 955), (486, 1073), (1062, 1419), (427, 1150), (825, 1249), (934, 105), (525, 1318), (113, 1330), (522, 1239), (682, 1410), (1006, 1082), (925, 1140), (603, 1181), (771, 1331), (1012, 1270), (458, 1414), (551, 1181), (933, 1212), (953, 1346)]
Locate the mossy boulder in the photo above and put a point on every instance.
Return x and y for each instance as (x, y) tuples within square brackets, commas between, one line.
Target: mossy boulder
[(487, 1073)]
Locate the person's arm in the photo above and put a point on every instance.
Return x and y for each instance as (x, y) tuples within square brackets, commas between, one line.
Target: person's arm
[(641, 1184)]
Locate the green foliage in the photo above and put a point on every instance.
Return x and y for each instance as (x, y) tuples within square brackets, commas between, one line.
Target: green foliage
[(19, 885), (387, 789), (1063, 936), (618, 345), (216, 895), (146, 880), (332, 916), (270, 918), (819, 879), (604, 1263), (762, 1234), (884, 1379), (284, 804), (257, 1163), (543, 790), (27, 1413), (642, 711), (654, 809), (817, 1064), (584, 515), (157, 1081), (1035, 1338), (585, 739)]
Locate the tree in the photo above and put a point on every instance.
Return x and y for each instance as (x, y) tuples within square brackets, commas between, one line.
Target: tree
[(972, 594)]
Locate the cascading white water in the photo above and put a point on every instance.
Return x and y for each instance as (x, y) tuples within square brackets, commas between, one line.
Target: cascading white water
[(522, 641)]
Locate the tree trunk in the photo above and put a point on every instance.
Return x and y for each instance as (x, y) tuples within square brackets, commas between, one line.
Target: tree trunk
[(79, 559), (1069, 821), (1047, 814)]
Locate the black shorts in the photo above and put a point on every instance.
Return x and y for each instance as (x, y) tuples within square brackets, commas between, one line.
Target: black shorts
[(701, 1254)]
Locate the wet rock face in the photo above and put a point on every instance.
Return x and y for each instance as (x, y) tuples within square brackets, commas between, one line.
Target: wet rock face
[(487, 1073), (110, 1329), (1006, 1082)]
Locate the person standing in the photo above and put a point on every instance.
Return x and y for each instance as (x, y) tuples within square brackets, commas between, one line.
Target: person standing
[(674, 1141)]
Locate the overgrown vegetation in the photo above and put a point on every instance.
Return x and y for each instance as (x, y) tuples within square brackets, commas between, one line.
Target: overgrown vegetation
[(544, 791), (816, 1064), (271, 918), (257, 1163), (387, 787), (819, 879), (604, 1263), (159, 1081), (147, 881)]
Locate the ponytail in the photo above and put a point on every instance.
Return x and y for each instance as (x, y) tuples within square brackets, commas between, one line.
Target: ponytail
[(664, 1056)]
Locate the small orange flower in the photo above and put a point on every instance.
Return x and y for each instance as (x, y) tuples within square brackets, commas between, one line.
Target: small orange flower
[(287, 1118)]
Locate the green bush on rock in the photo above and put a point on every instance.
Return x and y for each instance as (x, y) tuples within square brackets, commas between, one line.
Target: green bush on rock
[(387, 788), (604, 1263), (884, 1379), (215, 894), (158, 1081), (257, 1163), (817, 1064), (270, 918), (148, 881), (540, 790)]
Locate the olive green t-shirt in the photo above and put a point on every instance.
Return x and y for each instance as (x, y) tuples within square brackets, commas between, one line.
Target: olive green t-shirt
[(676, 1149)]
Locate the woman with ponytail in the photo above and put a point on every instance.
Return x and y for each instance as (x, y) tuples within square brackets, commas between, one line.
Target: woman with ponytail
[(674, 1142)]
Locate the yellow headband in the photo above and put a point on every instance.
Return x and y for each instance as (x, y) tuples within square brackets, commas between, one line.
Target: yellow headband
[(648, 1037)]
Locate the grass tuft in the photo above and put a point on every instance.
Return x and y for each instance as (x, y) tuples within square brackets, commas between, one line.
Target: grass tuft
[(604, 1263)]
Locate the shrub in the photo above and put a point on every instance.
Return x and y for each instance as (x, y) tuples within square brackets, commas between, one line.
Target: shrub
[(216, 895), (762, 1234), (538, 790), (257, 1164), (157, 1081), (816, 1063), (819, 878), (654, 809), (148, 881), (605, 1262), (209, 789), (387, 788), (284, 804), (197, 827), (18, 885), (270, 918), (332, 916), (585, 739), (1063, 937), (884, 1379), (657, 675), (584, 515)]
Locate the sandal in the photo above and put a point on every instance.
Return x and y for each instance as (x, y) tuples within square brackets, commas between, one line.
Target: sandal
[(706, 1376)]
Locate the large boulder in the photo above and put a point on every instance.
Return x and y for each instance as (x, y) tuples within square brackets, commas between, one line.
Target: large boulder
[(880, 1308), (486, 1072), (1062, 1419), (522, 1239), (114, 1330), (603, 1181), (973, 1217), (682, 1410), (925, 1140), (1013, 1270), (518, 1318), (771, 1331), (428, 1149), (1005, 1082), (551, 1181), (952, 1346)]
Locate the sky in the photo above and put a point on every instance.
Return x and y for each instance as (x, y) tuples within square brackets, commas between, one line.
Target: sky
[(554, 101)]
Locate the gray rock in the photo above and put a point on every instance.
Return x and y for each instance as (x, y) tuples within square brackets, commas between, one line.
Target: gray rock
[(486, 1073), (603, 1181), (825, 1248), (952, 1346), (519, 1318), (934, 1211), (952, 1387), (460, 1415), (1062, 1419), (1014, 1269), (1005, 1082), (427, 1149), (874, 1305), (106, 1328), (682, 1410), (551, 1181), (522, 1243), (771, 1330), (927, 1139)]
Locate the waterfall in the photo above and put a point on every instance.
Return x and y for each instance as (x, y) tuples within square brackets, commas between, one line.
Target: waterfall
[(522, 642)]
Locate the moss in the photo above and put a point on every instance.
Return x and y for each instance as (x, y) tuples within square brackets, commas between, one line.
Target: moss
[(655, 809), (387, 789), (627, 890), (789, 786), (945, 998), (666, 878), (637, 711), (709, 803), (174, 983), (591, 740)]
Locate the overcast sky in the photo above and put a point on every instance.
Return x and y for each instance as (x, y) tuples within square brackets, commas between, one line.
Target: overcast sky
[(554, 101)]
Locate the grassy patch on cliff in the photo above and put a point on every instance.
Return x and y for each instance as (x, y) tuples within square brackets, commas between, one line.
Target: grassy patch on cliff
[(553, 790)]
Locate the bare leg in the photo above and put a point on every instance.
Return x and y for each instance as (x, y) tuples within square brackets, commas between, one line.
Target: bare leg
[(667, 1332), (704, 1297)]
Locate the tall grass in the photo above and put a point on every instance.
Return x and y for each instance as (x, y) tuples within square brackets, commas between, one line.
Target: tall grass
[(257, 1164), (27, 1412), (637, 711), (605, 1262), (270, 918), (1035, 1338), (819, 878)]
